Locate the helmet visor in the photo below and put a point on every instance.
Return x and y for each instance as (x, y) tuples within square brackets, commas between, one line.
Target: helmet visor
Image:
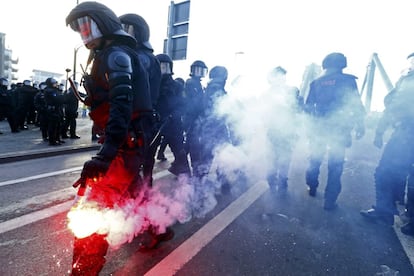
[(4, 82), (87, 28), (129, 29), (199, 71), (165, 68)]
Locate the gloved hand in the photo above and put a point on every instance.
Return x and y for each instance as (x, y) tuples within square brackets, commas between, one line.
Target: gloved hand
[(359, 131), (95, 168), (378, 142)]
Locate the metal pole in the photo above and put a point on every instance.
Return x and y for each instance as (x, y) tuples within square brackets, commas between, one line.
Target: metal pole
[(75, 53), (67, 76)]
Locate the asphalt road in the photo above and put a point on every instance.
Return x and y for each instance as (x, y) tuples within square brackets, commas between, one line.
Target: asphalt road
[(251, 230)]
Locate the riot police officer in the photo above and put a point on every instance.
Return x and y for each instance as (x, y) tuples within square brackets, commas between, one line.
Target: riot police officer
[(25, 104), (71, 113), (6, 105), (194, 93), (54, 111), (286, 102), (397, 158), (170, 107), (117, 91), (335, 109), (136, 26), (41, 109)]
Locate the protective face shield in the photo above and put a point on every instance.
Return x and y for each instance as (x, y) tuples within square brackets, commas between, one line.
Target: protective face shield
[(198, 71), (129, 29), (87, 28), (51, 82), (4, 82), (27, 82), (165, 68), (42, 86)]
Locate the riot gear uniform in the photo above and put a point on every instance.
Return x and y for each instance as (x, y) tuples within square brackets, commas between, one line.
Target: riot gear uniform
[(336, 109), (6, 105), (211, 128), (54, 100), (118, 95), (71, 113), (170, 108), (136, 26), (397, 156), (25, 104), (194, 93), (282, 136), (41, 108)]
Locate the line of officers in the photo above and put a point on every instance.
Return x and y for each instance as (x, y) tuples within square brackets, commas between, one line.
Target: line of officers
[(46, 105), (134, 98)]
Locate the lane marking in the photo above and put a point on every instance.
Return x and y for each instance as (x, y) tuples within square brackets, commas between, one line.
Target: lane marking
[(44, 175), (48, 212), (39, 176), (33, 217), (172, 263)]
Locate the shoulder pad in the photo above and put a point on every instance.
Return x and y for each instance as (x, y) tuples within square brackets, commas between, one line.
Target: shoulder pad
[(119, 61)]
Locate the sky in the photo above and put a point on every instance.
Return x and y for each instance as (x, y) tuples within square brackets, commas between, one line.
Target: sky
[(292, 34)]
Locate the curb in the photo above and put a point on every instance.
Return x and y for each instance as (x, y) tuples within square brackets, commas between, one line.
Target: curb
[(33, 154)]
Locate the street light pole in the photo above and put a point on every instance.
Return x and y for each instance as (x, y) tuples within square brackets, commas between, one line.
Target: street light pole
[(75, 54), (67, 76)]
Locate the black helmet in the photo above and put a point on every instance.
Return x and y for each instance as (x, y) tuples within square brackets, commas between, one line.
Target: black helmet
[(42, 85), (51, 82), (4, 82), (334, 60), (136, 26), (166, 64), (218, 72), (27, 82), (198, 69), (93, 20)]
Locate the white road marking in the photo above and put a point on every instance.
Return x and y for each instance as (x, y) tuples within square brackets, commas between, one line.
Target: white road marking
[(187, 250), (48, 212), (39, 176)]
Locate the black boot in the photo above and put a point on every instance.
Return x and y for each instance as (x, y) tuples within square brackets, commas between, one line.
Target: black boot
[(375, 216), (89, 255), (408, 229)]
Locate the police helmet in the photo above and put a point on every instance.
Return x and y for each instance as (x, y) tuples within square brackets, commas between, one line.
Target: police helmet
[(4, 82), (166, 64), (136, 26), (198, 69), (27, 82), (94, 20), (218, 72), (334, 60), (51, 82), (42, 85)]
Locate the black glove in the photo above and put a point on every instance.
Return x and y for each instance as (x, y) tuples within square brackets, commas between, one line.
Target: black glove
[(95, 168)]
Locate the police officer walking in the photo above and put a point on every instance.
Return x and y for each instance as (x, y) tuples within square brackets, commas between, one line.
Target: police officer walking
[(194, 93), (116, 85), (171, 109), (335, 109), (136, 26), (396, 163)]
